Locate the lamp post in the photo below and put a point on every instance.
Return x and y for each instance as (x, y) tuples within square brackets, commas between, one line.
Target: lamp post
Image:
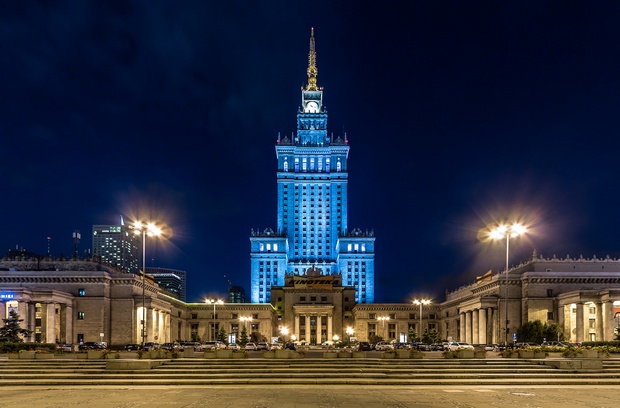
[(421, 302), (383, 319), (349, 332), (151, 230), (501, 232), (215, 302), (284, 332)]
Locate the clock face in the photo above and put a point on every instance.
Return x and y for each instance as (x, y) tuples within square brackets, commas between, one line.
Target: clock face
[(312, 107)]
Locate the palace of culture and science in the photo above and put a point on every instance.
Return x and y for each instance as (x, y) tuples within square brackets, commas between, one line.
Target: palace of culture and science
[(312, 230), (312, 275)]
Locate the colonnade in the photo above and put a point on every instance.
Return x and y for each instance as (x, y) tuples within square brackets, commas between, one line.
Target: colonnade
[(479, 326), (307, 336)]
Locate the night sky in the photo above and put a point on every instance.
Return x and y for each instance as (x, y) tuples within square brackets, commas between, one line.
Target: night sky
[(459, 114)]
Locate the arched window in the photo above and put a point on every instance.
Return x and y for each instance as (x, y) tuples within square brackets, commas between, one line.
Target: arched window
[(338, 166), (285, 165)]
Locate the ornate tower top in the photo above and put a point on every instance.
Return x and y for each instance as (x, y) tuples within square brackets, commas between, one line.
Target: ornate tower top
[(312, 70)]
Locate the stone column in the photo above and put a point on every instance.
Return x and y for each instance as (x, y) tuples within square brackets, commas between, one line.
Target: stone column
[(475, 326), (32, 319), (297, 327), (329, 327), (49, 321), (580, 322), (468, 327), (66, 323), (599, 321), (608, 321), (319, 334), (148, 331), (562, 322), (462, 323), (482, 324)]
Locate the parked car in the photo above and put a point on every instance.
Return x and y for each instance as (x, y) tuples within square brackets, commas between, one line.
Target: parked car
[(149, 346), (404, 346), (132, 347), (171, 346), (213, 345), (93, 345), (233, 346), (457, 345), (263, 346), (525, 344), (251, 347), (327, 344), (65, 348), (277, 346), (364, 346), (437, 347), (560, 345), (384, 346), (197, 346)]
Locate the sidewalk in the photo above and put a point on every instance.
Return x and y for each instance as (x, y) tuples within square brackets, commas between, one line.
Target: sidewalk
[(312, 396)]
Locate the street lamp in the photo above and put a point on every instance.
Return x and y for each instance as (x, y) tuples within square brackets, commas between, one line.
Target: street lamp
[(284, 332), (215, 302), (349, 332), (421, 302), (383, 319), (151, 230), (501, 232)]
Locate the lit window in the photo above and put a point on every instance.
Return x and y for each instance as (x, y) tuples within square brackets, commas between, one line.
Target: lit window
[(275, 247), (262, 247), (81, 292), (285, 166), (349, 247), (338, 166), (80, 316), (268, 247)]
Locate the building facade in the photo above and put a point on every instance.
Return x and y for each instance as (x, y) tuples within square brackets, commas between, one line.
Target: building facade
[(312, 225), (581, 295), (172, 280), (117, 245)]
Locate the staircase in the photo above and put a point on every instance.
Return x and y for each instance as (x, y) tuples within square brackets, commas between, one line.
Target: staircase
[(200, 372)]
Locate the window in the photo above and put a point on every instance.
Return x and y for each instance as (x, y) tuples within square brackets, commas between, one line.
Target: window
[(392, 315), (323, 298), (549, 292), (194, 315), (80, 316), (549, 315), (81, 292), (302, 298), (275, 247), (234, 315), (255, 316), (285, 166)]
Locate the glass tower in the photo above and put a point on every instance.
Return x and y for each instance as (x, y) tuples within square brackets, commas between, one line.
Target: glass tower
[(312, 229)]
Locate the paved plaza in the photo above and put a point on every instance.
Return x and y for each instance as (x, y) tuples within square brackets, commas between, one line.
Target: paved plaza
[(311, 396)]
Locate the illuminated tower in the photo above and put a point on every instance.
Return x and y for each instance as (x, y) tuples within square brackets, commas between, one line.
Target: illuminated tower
[(312, 224)]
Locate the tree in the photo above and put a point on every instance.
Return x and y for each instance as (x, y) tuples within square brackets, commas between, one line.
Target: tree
[(243, 340), (221, 335), (537, 332), (431, 336), (412, 334), (11, 331), (553, 332)]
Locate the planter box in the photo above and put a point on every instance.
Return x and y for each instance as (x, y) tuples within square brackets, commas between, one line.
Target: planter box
[(345, 354), (540, 355), (223, 353), (416, 355), (358, 354), (239, 355), (297, 354), (588, 354), (188, 353), (526, 354), (465, 354), (269, 354), (13, 356), (94, 354), (26, 355), (480, 354), (128, 355), (330, 354), (209, 354), (403, 353), (389, 355), (283, 353), (44, 356)]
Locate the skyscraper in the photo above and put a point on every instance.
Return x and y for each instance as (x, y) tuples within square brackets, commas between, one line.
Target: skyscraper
[(117, 245), (312, 227), (173, 280)]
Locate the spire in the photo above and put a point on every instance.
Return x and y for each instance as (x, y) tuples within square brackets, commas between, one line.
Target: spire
[(312, 71)]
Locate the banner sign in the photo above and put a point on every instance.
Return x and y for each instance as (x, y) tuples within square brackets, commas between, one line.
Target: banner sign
[(318, 282)]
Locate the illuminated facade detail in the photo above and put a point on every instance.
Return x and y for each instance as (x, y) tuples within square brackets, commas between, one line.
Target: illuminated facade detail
[(312, 227)]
